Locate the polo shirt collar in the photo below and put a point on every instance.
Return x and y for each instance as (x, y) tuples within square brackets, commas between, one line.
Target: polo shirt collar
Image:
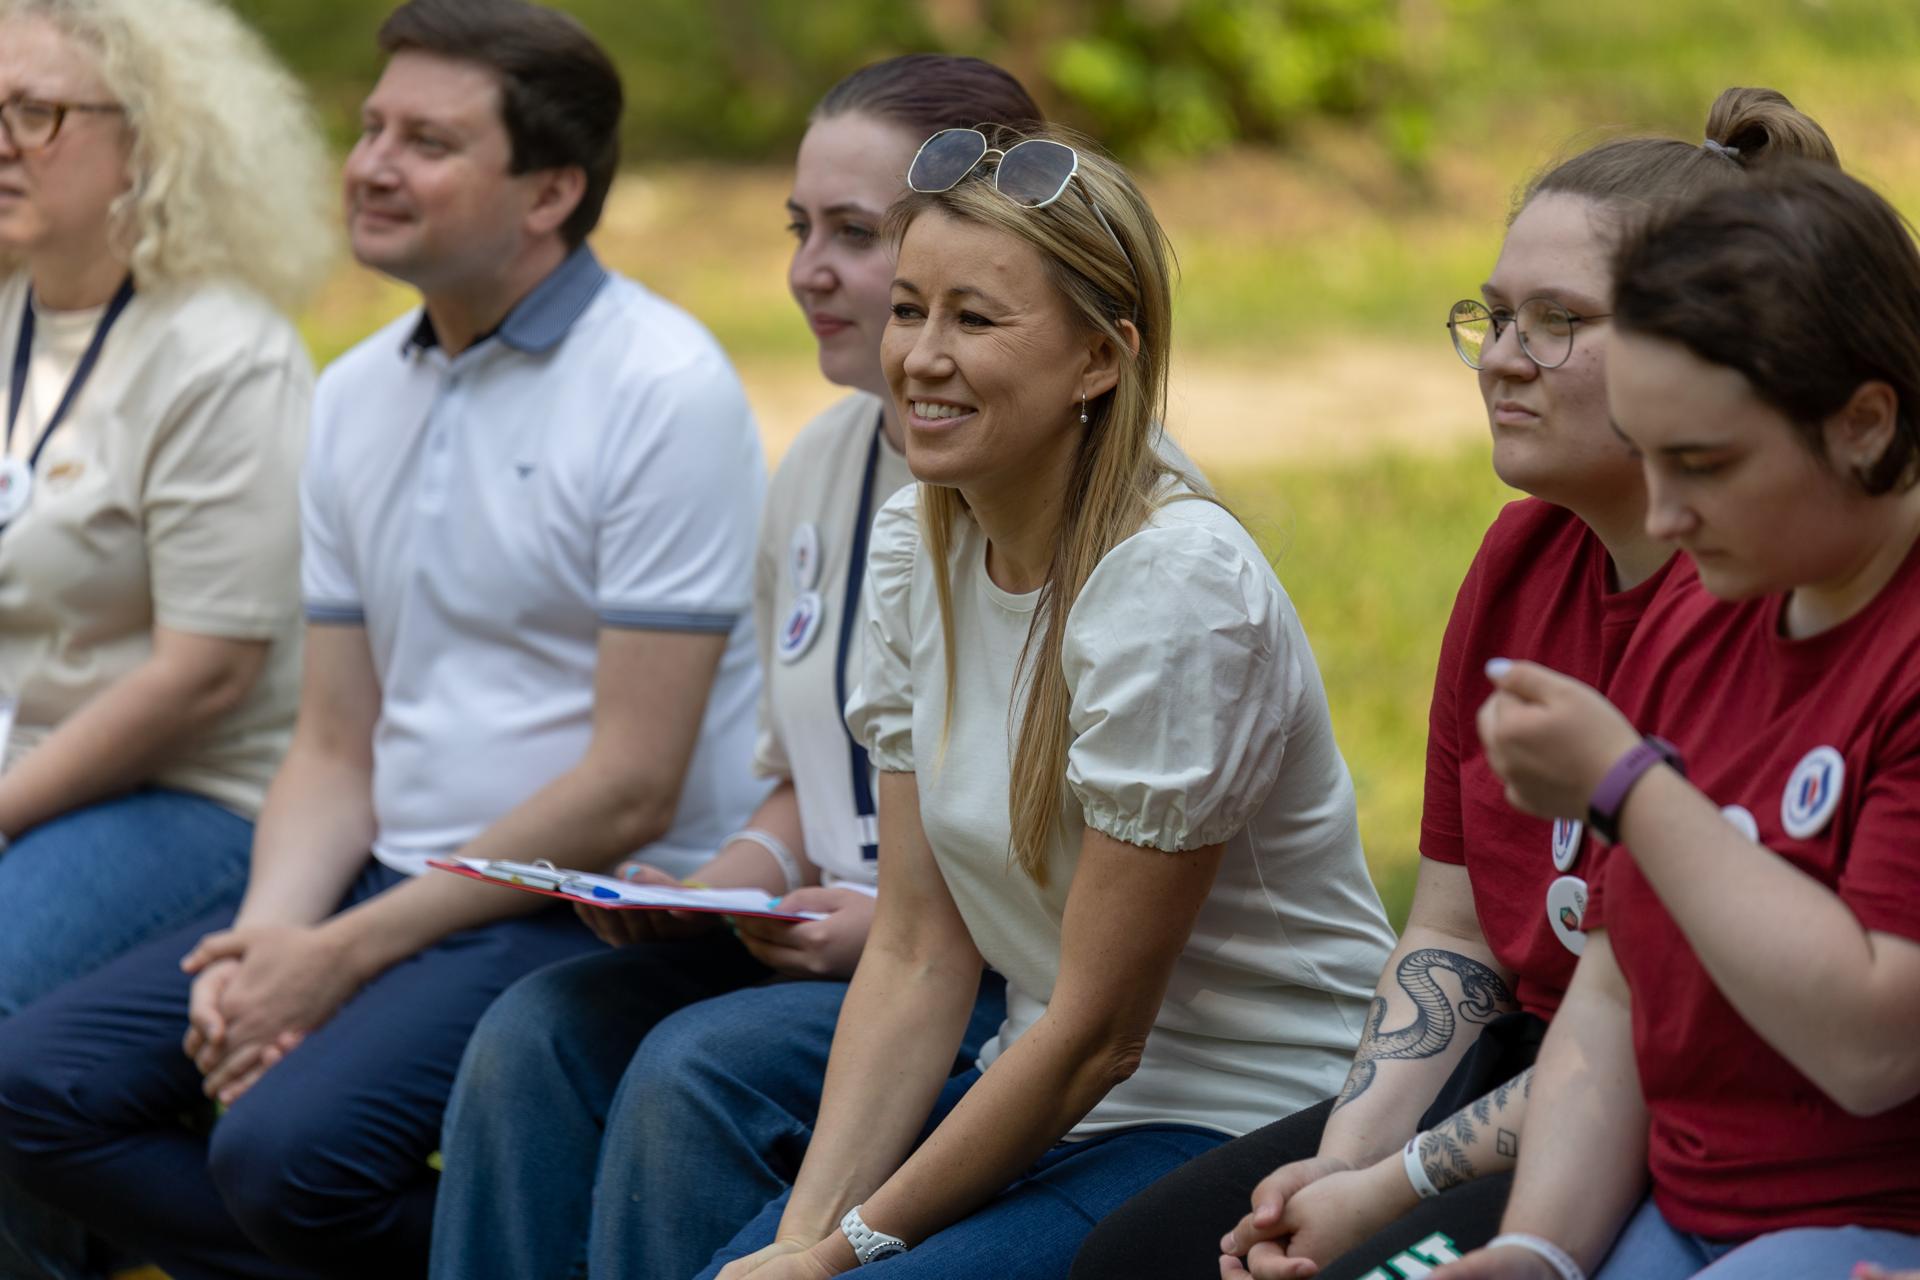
[(540, 320)]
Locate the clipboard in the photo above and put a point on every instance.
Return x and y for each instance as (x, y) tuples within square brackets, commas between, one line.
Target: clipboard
[(616, 895)]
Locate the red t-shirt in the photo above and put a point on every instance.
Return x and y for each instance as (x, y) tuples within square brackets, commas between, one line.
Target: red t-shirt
[(1538, 589), (1818, 740)]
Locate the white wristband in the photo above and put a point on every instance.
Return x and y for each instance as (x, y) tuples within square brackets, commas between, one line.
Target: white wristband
[(789, 865), (1417, 1172), (1556, 1257)]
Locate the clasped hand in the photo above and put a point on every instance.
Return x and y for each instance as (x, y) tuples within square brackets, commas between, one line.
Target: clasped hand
[(1308, 1213), (257, 992), (1549, 738)]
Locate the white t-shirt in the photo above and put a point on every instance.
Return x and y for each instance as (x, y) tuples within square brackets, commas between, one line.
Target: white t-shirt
[(806, 536), (165, 497), (594, 464), (1198, 718)]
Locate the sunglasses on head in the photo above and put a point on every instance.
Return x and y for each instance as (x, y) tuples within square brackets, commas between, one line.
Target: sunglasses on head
[(1032, 174)]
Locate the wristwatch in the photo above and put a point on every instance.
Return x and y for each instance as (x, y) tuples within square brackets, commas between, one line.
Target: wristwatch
[(1603, 810), (869, 1245)]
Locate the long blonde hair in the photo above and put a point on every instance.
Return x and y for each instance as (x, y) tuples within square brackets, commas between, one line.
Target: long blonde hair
[(228, 177), (1118, 473)]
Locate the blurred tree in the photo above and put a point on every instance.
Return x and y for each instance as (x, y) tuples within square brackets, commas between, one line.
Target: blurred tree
[(731, 79)]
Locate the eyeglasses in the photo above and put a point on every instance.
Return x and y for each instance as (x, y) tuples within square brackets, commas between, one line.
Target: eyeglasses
[(1546, 330), (32, 123), (1032, 174)]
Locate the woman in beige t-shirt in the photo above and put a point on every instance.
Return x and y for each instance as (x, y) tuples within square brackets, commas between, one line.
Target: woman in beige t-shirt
[(163, 198)]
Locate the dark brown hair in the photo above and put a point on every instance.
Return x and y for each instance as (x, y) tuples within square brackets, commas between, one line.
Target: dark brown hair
[(1806, 282), (560, 94), (1747, 130), (927, 92)]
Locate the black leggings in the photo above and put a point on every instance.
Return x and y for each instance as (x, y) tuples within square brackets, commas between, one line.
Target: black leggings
[(1172, 1230)]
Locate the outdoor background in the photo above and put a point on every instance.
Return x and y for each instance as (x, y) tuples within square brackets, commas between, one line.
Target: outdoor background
[(1334, 173)]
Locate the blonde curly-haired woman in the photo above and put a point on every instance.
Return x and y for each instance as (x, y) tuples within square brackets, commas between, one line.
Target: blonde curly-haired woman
[(164, 199)]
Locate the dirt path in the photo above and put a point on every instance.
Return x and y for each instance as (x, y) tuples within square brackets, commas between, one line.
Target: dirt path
[(1352, 399)]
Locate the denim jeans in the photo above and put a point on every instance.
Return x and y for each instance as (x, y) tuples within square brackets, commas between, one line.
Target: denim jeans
[(318, 1170), (1031, 1230), (157, 859), (78, 890), (1649, 1249), (588, 1112)]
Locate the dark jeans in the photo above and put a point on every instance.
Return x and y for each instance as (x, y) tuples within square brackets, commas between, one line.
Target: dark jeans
[(319, 1170), (1173, 1228)]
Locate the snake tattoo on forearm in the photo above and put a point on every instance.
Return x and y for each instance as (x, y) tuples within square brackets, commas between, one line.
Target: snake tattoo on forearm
[(1483, 997)]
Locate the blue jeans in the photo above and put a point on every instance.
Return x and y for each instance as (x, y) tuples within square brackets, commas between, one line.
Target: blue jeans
[(161, 858), (1032, 1230), (1649, 1249), (319, 1170), (585, 1093), (78, 890)]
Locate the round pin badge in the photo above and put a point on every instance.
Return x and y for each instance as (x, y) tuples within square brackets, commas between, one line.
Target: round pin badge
[(803, 553), (1743, 821), (16, 488), (803, 624), (1566, 908), (1813, 792), (1568, 836)]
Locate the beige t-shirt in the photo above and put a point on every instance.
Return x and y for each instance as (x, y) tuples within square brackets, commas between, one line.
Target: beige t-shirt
[(168, 495), (802, 734), (1197, 717)]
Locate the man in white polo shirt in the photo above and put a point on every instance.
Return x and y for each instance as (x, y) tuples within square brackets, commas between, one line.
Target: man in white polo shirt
[(529, 514)]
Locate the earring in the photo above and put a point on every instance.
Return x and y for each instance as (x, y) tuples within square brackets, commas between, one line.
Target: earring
[(1083, 411)]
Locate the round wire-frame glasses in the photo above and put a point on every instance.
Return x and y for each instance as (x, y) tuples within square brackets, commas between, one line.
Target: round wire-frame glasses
[(1545, 328)]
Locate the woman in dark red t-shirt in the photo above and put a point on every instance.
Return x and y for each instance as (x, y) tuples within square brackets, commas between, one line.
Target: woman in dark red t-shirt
[(1563, 576), (1742, 1023)]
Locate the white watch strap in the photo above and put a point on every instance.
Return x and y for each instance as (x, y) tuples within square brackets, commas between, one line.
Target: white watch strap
[(1556, 1257), (869, 1245)]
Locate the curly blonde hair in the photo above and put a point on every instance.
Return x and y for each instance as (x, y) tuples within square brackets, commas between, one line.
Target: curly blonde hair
[(228, 177)]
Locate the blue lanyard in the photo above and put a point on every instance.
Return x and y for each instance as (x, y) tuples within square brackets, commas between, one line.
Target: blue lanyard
[(23, 357), (863, 805)]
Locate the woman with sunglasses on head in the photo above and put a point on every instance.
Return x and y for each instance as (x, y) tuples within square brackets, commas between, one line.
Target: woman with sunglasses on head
[(1411, 1161), (1107, 766), (163, 200), (601, 1087), (1741, 1024)]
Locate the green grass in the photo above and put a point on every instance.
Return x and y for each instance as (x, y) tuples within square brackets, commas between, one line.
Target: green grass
[(1371, 553)]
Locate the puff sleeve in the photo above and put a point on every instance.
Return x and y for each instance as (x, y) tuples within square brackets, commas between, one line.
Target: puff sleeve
[(1182, 679), (880, 709)]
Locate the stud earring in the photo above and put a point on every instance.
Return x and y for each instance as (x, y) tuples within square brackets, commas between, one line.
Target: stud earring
[(1083, 411)]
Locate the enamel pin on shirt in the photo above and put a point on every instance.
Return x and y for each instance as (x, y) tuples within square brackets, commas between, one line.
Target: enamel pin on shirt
[(1813, 792), (1566, 909), (802, 625)]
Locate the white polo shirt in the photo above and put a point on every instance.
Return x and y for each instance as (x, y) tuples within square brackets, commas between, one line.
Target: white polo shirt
[(591, 464)]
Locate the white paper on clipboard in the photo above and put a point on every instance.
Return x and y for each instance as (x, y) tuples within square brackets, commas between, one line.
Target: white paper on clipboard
[(605, 891)]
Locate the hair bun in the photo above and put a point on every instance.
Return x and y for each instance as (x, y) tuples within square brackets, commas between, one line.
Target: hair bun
[(1761, 125)]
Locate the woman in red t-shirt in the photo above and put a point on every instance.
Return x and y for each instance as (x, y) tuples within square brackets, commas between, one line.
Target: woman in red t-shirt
[(1742, 1022), (1563, 576)]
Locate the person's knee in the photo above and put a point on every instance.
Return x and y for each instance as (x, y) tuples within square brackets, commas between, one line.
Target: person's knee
[(685, 1061), (288, 1189), (41, 1105), (520, 1046)]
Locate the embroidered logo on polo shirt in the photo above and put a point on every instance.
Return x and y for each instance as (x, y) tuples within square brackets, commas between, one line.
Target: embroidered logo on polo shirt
[(1813, 792)]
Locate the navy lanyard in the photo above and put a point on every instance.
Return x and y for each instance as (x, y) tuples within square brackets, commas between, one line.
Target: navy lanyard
[(23, 357), (863, 805)]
